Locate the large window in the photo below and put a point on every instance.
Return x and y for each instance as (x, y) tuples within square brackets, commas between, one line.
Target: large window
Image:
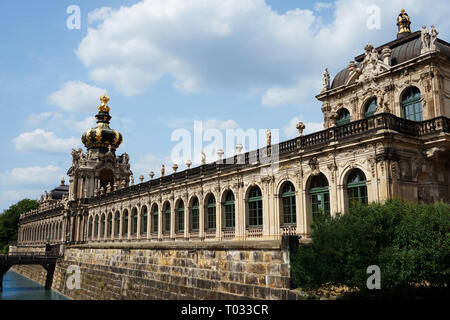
[(210, 222), (117, 223), (96, 227), (229, 210), (125, 222), (255, 211), (167, 218), (343, 117), (155, 218), (102, 227), (109, 229), (134, 214), (180, 217), (195, 215), (90, 228), (370, 108), (144, 220), (319, 196), (411, 104), (288, 204), (356, 188)]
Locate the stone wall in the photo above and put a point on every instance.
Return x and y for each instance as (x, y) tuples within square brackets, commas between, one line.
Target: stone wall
[(233, 270), (34, 272)]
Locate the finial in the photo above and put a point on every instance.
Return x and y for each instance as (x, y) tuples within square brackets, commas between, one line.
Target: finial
[(188, 164), (104, 106), (403, 23), (175, 167), (300, 127), (63, 181)]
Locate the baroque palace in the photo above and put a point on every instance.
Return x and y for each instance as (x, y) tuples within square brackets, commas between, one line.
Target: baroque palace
[(386, 135)]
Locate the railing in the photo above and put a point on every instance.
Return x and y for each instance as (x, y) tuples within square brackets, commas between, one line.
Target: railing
[(210, 234), (288, 230), (228, 234), (254, 232)]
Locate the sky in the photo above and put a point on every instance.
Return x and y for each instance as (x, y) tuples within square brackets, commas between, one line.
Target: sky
[(168, 64)]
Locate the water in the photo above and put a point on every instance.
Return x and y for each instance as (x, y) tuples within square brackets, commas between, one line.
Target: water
[(17, 287)]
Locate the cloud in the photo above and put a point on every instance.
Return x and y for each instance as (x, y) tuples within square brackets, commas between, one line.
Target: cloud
[(50, 175), (44, 141), (150, 162), (290, 130), (75, 96), (99, 14), (319, 6), (188, 123), (241, 46)]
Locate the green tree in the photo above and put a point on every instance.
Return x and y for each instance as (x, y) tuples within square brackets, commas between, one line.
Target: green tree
[(9, 220)]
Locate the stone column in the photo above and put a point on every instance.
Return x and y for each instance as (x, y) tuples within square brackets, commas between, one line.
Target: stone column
[(130, 222), (138, 229), (172, 219), (240, 214), (201, 223), (120, 224), (266, 207), (160, 220), (219, 214)]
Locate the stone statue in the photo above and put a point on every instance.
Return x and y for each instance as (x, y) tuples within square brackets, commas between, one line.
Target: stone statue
[(425, 38), (132, 180), (163, 170), (268, 138), (175, 167), (108, 187), (325, 80), (188, 164), (141, 178), (203, 158), (151, 175), (75, 156), (433, 38)]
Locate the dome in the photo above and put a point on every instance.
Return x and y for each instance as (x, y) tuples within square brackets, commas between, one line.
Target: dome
[(59, 191), (101, 138)]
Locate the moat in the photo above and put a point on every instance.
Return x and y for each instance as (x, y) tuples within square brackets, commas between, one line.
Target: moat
[(17, 287)]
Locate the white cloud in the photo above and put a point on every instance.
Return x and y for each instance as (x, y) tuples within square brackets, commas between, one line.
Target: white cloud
[(188, 123), (44, 141), (99, 14), (243, 46), (290, 130), (32, 175), (150, 162), (75, 96), (318, 6)]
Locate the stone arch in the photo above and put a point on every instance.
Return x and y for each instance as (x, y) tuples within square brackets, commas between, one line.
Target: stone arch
[(343, 180), (366, 102), (254, 206)]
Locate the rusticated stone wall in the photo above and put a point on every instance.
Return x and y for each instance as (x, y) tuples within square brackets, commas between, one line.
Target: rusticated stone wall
[(225, 270), (34, 272)]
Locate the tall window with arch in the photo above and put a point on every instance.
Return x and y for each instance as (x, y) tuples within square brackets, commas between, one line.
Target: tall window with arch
[(167, 218), (255, 210), (102, 227), (195, 214), (109, 228), (180, 217), (356, 188), (90, 228), (134, 222), (229, 218), (412, 104), (288, 204), (144, 220), (155, 219), (125, 222), (370, 108), (343, 117), (319, 196), (117, 224), (210, 217)]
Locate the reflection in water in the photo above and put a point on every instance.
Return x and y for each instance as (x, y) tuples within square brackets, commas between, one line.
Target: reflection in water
[(17, 287)]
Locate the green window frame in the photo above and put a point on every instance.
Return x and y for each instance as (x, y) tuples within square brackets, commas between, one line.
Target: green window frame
[(412, 105), (211, 213), (229, 210), (144, 220), (155, 219), (195, 215), (356, 188), (96, 227), (288, 204), (117, 224), (180, 217), (90, 227), (371, 108), (319, 197), (109, 225), (255, 210), (167, 219), (125, 223), (343, 117), (134, 214)]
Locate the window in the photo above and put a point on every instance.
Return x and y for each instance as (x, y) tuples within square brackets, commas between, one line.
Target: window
[(180, 217), (144, 217), (288, 204), (90, 228), (411, 104), (356, 188), (125, 222), (96, 227), (155, 218), (167, 218), (255, 213), (319, 196), (343, 117), (195, 215), (370, 108), (210, 222), (103, 225), (109, 233), (229, 210), (134, 214), (117, 224)]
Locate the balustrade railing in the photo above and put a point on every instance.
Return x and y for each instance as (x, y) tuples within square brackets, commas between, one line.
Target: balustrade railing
[(228, 233), (254, 232), (288, 230)]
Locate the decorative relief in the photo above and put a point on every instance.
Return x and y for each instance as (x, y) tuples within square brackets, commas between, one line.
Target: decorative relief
[(314, 165)]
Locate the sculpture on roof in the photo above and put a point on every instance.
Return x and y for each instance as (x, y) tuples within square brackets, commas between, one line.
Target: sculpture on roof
[(325, 80)]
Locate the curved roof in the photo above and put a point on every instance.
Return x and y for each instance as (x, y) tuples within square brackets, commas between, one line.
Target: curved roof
[(58, 192)]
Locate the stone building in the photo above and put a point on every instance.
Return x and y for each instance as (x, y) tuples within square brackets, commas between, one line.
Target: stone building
[(386, 135)]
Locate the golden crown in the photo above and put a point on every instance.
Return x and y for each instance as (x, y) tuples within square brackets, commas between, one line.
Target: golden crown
[(104, 106)]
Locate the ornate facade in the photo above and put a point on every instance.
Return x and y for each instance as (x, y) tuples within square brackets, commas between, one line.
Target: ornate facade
[(387, 135)]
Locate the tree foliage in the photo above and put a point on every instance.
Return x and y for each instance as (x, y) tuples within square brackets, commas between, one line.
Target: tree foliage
[(409, 242), (9, 220)]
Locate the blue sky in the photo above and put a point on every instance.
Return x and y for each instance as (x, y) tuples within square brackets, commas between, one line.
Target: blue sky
[(231, 64)]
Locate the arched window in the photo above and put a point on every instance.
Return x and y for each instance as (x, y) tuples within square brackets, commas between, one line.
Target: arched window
[(195, 215), (255, 211), (90, 228), (180, 216), (343, 117), (319, 196), (134, 215), (167, 218), (371, 107), (288, 204), (102, 227), (96, 227), (229, 210), (144, 217), (210, 216), (125, 222), (356, 188), (155, 218), (411, 104), (109, 229), (117, 223)]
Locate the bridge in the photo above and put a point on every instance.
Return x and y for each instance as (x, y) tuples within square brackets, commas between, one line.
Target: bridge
[(46, 259)]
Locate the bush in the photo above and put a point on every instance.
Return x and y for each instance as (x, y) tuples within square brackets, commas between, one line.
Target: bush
[(409, 242)]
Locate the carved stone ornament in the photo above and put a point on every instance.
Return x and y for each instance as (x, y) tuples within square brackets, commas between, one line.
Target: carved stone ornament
[(314, 165)]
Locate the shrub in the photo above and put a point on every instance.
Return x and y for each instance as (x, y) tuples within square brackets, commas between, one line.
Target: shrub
[(409, 242)]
